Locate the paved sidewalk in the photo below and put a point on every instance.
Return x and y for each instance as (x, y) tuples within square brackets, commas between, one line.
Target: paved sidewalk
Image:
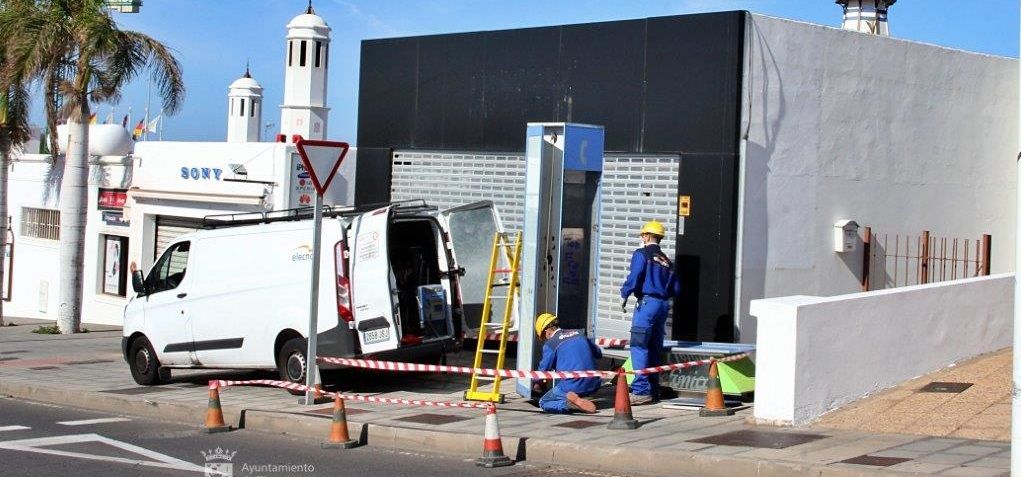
[(981, 410), (87, 371)]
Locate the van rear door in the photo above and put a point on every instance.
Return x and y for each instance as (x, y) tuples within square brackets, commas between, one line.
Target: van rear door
[(372, 283), (471, 228)]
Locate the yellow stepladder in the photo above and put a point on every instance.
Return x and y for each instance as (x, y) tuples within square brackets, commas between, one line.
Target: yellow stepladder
[(502, 243)]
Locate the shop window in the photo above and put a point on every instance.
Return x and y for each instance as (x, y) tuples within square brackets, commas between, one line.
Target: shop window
[(115, 265), (302, 52), (319, 52), (40, 223)]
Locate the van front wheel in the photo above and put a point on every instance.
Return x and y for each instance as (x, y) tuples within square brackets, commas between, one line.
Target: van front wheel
[(292, 362), (145, 368)]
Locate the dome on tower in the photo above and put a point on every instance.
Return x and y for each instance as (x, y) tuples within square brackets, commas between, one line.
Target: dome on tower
[(246, 82), (308, 20)]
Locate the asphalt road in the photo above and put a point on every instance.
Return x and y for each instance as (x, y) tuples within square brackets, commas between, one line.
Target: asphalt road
[(46, 440)]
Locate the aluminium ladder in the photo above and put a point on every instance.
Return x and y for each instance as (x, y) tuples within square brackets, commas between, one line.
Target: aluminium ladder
[(502, 243)]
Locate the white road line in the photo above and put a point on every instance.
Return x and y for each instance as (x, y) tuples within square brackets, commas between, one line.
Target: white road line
[(13, 428), (87, 422), (158, 460)]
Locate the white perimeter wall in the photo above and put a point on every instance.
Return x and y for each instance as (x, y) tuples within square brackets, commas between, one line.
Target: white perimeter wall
[(815, 354), (896, 135)]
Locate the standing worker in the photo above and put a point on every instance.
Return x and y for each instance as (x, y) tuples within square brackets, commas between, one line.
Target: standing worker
[(651, 279), (567, 350)]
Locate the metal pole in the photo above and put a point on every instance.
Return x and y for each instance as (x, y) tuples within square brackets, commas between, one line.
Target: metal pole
[(1015, 389), (312, 368)]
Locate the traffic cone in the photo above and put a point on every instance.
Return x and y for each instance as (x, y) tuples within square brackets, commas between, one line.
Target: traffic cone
[(339, 438), (214, 414), (622, 418), (714, 404), (492, 446), (317, 391)]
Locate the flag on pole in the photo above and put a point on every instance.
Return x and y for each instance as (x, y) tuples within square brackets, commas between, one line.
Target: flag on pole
[(139, 130), (152, 124), (92, 118), (124, 122), (109, 118)]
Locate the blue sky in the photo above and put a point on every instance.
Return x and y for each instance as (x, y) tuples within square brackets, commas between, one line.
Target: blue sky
[(214, 38)]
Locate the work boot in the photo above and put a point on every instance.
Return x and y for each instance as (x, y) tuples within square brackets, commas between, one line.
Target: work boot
[(640, 399), (578, 403)]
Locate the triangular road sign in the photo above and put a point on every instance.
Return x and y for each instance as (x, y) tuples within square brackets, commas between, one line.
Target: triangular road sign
[(148, 458), (321, 160)]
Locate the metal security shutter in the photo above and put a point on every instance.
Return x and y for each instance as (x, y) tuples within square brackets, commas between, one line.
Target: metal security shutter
[(446, 179), (636, 188), (169, 228)]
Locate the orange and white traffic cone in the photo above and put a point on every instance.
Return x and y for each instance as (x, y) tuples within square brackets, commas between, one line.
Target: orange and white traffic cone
[(214, 414), (317, 391), (714, 403), (339, 438), (622, 417), (492, 447)]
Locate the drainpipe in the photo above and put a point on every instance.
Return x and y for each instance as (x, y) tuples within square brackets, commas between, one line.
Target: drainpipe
[(742, 149), (1015, 400)]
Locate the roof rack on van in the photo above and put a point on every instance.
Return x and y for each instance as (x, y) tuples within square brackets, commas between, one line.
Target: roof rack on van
[(303, 213)]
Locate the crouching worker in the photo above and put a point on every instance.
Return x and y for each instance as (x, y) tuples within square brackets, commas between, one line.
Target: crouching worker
[(567, 350)]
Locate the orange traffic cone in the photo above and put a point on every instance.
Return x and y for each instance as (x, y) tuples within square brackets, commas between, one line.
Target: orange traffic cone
[(317, 391), (622, 418), (339, 438), (214, 414), (492, 447), (714, 404)]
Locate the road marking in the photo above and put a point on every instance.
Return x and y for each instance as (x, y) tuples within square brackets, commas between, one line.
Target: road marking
[(87, 422), (158, 460), (13, 428)]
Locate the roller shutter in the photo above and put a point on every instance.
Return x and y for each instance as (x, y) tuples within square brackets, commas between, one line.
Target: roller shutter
[(169, 228), (636, 188)]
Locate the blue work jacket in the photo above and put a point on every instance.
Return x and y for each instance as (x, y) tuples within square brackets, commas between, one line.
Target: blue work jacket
[(570, 350), (651, 274)]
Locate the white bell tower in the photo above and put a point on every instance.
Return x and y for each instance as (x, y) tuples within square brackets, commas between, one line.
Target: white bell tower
[(304, 110), (244, 109), (867, 16)]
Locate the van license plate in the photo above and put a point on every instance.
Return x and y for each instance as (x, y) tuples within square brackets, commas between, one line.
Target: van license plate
[(377, 336)]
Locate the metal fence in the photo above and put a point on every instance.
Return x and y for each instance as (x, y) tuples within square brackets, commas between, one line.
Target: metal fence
[(895, 260)]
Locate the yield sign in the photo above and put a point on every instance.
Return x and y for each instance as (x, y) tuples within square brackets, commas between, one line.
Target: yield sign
[(321, 160)]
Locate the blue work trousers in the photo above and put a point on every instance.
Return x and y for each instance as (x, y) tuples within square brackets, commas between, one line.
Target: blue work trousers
[(555, 401), (648, 328)]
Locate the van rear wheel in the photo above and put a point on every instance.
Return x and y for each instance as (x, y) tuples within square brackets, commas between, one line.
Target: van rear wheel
[(292, 362)]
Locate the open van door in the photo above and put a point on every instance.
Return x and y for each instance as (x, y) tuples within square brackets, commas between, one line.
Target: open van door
[(372, 283), (471, 229)]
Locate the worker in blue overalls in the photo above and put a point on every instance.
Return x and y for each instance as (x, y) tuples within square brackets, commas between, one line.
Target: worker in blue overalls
[(654, 283), (567, 350)]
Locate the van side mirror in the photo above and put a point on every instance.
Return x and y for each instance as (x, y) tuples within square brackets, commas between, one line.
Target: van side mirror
[(137, 279)]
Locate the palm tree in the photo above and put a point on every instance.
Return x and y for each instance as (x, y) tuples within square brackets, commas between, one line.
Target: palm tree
[(14, 131), (75, 50)]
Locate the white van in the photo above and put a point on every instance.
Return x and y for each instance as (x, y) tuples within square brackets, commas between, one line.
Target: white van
[(393, 284)]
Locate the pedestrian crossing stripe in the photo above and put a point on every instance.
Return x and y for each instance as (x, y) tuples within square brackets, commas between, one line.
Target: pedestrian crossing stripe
[(154, 459), (13, 428), (87, 422)]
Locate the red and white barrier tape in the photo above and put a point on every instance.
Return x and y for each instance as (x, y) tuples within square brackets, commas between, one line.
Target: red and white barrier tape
[(355, 397), (611, 342), (511, 373), (511, 337)]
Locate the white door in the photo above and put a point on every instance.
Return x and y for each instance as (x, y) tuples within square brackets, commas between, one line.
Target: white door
[(471, 228), (372, 283), (167, 318)]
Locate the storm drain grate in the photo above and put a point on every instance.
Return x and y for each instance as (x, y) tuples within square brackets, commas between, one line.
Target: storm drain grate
[(579, 424), (90, 361), (941, 387), (328, 411), (434, 419), (133, 391), (764, 439), (43, 368), (875, 460)]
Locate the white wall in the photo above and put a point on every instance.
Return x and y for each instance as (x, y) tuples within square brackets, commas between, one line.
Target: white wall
[(896, 135), (816, 354)]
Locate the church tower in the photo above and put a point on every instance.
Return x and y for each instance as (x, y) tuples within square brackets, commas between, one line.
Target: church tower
[(244, 109), (867, 16), (304, 110)]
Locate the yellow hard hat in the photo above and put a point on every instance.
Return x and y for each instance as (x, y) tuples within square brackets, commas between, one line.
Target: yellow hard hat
[(542, 321), (653, 227)]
